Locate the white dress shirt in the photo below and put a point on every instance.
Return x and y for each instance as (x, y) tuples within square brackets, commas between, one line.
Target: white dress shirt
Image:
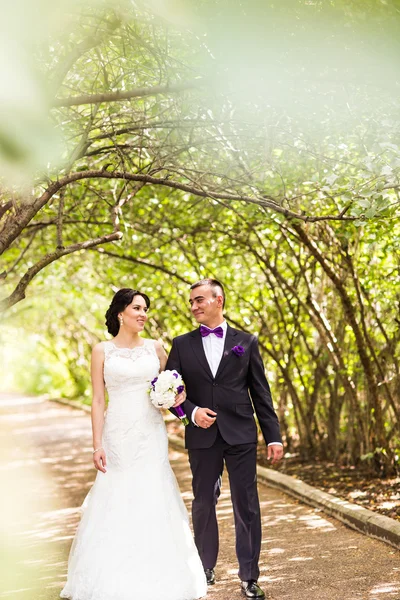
[(214, 347)]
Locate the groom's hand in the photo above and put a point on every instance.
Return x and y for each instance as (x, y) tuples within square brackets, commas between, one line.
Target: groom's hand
[(275, 453), (205, 417)]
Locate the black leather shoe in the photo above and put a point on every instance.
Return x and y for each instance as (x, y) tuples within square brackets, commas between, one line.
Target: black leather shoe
[(210, 575), (251, 589)]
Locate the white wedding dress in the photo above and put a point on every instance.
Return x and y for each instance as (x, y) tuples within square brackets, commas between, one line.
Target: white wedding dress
[(134, 539)]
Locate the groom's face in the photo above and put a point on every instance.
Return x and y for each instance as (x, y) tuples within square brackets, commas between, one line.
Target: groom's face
[(205, 307)]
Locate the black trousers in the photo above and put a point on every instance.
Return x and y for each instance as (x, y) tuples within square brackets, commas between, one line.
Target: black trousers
[(207, 465)]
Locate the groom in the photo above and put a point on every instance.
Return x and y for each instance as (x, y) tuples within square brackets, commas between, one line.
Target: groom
[(225, 383)]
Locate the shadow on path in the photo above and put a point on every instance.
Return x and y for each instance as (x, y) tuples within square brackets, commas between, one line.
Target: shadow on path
[(47, 471)]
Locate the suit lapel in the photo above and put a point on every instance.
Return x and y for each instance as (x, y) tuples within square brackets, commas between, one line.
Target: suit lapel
[(229, 343), (197, 345)]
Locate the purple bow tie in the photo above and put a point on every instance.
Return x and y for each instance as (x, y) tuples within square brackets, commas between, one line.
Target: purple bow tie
[(205, 331)]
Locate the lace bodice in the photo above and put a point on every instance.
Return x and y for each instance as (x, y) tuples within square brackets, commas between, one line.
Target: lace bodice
[(129, 369), (130, 416)]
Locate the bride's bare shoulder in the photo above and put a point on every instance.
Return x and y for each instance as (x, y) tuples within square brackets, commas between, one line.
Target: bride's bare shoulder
[(98, 349)]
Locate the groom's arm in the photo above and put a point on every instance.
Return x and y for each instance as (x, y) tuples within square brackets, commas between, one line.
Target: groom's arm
[(261, 396), (174, 363)]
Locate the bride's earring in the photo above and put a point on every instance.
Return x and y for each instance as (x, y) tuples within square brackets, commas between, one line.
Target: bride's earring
[(121, 321)]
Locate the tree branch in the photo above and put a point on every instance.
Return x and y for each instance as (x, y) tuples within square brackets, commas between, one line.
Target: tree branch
[(127, 95), (145, 263), (60, 218), (28, 211), (81, 49), (5, 207), (191, 189), (19, 292)]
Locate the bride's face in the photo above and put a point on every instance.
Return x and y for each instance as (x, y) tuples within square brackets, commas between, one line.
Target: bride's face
[(135, 315)]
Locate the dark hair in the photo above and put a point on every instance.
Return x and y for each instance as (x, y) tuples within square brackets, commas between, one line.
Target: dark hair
[(216, 287), (118, 304)]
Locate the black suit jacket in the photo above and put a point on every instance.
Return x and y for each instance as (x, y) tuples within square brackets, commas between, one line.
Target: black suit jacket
[(238, 388)]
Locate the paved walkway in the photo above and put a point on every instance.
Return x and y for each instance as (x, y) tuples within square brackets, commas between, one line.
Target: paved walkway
[(45, 451)]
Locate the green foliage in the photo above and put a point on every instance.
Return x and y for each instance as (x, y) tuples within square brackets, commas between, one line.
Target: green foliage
[(275, 288), (241, 162)]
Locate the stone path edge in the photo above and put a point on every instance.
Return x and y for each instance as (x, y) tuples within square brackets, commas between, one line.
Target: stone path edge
[(357, 517)]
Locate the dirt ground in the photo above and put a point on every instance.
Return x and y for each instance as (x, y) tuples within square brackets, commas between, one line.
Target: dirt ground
[(47, 471), (354, 484)]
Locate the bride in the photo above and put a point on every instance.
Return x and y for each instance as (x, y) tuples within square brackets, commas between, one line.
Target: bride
[(134, 539)]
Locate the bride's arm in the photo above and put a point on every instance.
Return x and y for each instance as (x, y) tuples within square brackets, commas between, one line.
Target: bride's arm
[(98, 406)]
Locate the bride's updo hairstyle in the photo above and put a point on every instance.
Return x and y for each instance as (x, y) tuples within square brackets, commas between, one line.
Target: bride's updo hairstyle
[(118, 304)]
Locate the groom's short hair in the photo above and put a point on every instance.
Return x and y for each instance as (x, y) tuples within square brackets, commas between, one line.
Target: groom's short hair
[(216, 287)]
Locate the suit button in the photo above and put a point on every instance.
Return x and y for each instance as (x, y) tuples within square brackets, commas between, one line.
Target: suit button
[(215, 384)]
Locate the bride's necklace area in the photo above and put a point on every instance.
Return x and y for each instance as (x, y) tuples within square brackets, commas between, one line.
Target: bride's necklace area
[(128, 347)]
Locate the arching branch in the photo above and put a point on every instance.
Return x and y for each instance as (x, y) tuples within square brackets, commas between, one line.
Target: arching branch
[(126, 95), (19, 292)]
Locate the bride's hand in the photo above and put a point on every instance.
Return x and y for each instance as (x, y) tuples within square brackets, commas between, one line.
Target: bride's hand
[(179, 399), (99, 460)]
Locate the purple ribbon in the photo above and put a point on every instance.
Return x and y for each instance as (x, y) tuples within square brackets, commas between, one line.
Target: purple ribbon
[(180, 412)]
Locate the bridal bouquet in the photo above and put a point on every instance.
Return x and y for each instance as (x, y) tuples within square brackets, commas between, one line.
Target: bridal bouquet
[(163, 390)]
